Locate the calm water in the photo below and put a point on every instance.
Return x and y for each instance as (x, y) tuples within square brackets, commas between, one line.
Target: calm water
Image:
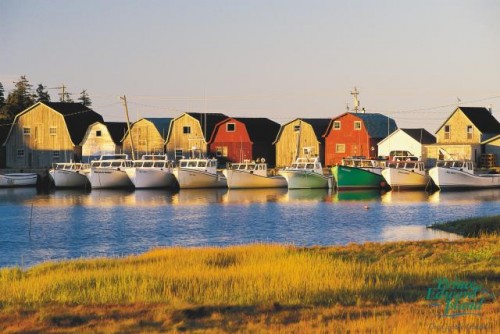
[(73, 224)]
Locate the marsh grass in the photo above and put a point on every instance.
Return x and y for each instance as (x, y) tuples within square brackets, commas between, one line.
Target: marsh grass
[(472, 227), (255, 288)]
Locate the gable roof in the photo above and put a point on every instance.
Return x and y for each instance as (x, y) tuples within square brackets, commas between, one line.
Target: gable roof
[(482, 119), (319, 125), (162, 125), (207, 121), (76, 116), (421, 135), (260, 130), (117, 130), (377, 125)]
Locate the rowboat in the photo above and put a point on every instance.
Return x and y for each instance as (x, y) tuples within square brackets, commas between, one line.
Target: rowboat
[(18, 180)]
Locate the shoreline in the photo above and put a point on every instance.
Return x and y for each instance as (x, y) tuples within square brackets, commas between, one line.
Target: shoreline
[(267, 287)]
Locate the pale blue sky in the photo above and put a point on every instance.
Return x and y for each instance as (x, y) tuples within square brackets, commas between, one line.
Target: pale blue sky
[(276, 59)]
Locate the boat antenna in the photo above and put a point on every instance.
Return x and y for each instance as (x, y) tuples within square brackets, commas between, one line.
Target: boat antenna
[(355, 94)]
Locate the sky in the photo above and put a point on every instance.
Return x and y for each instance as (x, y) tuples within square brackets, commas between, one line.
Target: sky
[(411, 60)]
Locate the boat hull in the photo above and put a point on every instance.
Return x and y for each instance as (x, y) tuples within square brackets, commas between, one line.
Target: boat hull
[(240, 180), (150, 178), (357, 178), (450, 179), (401, 179), (69, 178), (18, 180), (189, 179), (305, 179), (109, 178)]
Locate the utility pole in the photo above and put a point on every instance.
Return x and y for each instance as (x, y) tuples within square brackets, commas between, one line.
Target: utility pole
[(124, 99), (355, 94)]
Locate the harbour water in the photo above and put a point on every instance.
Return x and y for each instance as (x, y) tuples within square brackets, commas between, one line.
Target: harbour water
[(73, 224)]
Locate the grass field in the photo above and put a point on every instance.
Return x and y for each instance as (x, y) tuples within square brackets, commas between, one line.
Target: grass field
[(271, 288), (471, 227)]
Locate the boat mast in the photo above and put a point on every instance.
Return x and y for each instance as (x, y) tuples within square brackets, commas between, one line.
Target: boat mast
[(124, 98)]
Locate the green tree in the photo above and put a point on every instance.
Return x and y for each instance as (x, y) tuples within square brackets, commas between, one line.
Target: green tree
[(41, 94), (2, 96), (20, 98), (85, 98)]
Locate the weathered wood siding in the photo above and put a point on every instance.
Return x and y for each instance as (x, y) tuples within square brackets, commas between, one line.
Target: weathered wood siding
[(97, 142), (493, 147), (41, 146), (178, 140), (400, 141), (289, 142), (357, 142), (431, 153), (146, 139), (236, 144), (458, 123)]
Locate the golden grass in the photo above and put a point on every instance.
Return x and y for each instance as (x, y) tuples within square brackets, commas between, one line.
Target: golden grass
[(255, 287)]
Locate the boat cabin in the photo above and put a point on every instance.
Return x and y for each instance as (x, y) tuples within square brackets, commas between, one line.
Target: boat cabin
[(413, 166), (258, 167), (362, 162), (198, 163), (112, 161), (307, 164), (462, 165), (73, 166)]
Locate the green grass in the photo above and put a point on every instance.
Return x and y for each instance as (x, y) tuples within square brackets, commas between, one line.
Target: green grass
[(471, 227)]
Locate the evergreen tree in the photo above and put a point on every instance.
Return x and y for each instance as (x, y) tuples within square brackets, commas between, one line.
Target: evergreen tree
[(41, 94), (20, 98), (2, 96), (85, 98)]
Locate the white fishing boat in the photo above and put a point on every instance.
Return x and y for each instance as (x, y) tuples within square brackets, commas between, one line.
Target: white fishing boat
[(18, 180), (110, 172), (70, 174), (152, 171), (459, 174), (199, 173), (406, 173), (306, 173), (252, 174)]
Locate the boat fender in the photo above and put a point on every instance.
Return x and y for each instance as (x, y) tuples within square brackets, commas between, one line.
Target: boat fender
[(382, 184), (118, 169), (77, 172)]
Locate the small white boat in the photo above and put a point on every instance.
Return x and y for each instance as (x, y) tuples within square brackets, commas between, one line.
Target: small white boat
[(70, 174), (199, 173), (110, 172), (18, 180), (406, 173), (251, 174), (459, 174), (306, 173), (152, 171)]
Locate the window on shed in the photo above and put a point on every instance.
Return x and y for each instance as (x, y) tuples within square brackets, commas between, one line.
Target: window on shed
[(230, 127), (221, 151), (446, 132), (186, 129), (178, 154), (26, 131), (53, 131), (296, 128), (56, 154), (20, 153), (357, 125), (469, 131), (336, 125), (98, 133), (340, 148)]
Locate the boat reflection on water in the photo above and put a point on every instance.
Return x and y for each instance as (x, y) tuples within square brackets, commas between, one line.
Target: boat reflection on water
[(469, 196), (17, 195), (199, 196), (301, 195), (356, 195), (255, 195), (404, 196)]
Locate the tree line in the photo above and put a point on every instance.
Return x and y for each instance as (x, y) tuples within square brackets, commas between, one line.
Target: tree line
[(23, 96)]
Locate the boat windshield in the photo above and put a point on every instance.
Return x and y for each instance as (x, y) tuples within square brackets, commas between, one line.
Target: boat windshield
[(137, 163), (159, 164), (148, 164)]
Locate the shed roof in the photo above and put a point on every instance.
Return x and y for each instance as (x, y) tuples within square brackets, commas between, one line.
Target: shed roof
[(260, 130), (319, 125), (481, 117), (377, 125), (208, 121), (117, 130), (421, 135)]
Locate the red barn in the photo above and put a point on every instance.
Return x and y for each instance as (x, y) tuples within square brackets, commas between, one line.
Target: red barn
[(355, 134), (238, 139)]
